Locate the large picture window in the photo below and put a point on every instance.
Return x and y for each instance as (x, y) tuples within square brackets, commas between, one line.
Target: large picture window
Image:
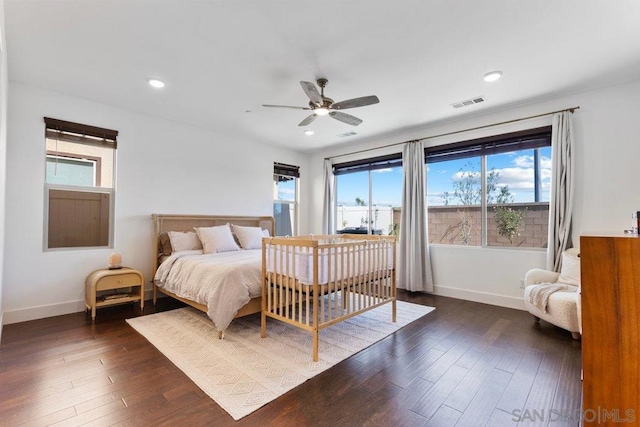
[(369, 195), (79, 185), (491, 191)]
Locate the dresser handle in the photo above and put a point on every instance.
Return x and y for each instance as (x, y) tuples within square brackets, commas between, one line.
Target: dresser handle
[(119, 281)]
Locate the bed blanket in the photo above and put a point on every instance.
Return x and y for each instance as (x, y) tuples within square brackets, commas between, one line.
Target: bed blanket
[(224, 282), (540, 294)]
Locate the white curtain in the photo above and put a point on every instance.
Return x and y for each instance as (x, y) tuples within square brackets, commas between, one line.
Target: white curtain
[(413, 264), (561, 197), (327, 201)]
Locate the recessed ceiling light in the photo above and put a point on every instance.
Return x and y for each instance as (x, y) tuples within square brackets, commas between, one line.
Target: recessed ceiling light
[(492, 76), (308, 132), (158, 84)]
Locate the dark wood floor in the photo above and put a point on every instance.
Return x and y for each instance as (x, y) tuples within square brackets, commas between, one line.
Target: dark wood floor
[(465, 364)]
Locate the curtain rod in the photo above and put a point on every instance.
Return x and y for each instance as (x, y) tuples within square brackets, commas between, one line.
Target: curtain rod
[(572, 109)]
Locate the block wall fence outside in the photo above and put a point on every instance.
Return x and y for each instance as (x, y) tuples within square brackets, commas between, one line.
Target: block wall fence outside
[(444, 225)]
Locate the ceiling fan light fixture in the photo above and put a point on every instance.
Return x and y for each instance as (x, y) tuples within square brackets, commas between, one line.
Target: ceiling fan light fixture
[(492, 76), (308, 132), (158, 84), (322, 111)]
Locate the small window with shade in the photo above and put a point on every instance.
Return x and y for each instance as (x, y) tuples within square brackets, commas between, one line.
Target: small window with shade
[(79, 185), (285, 199)]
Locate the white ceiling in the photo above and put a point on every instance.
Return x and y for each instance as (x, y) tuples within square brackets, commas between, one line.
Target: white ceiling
[(222, 58)]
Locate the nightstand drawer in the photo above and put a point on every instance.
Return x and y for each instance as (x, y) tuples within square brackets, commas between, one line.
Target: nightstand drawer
[(119, 281)]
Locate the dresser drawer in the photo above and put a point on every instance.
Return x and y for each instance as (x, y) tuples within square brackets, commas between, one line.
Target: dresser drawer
[(119, 281)]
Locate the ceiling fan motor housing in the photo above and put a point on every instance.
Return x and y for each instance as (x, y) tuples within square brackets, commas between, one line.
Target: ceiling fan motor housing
[(326, 103)]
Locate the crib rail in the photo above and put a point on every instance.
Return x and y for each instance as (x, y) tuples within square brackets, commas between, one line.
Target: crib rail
[(313, 282)]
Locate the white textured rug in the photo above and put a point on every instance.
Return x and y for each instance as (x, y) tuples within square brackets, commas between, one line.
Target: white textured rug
[(243, 372)]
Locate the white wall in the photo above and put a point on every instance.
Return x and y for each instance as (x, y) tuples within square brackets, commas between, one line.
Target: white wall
[(3, 150), (162, 167), (607, 153)]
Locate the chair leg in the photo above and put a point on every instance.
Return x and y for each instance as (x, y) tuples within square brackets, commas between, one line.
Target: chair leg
[(575, 335)]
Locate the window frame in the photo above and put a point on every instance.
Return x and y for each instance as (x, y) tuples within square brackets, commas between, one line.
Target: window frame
[(84, 135), (364, 165), (528, 139), (288, 171), (97, 163)]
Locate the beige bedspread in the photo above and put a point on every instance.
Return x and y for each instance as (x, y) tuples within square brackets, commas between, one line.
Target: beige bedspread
[(224, 282)]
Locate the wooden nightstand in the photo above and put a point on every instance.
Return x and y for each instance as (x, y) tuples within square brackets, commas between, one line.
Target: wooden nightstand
[(113, 280)]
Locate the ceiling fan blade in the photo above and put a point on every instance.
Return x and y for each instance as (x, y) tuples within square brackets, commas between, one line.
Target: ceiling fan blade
[(308, 120), (345, 118), (312, 92), (355, 102), (286, 106)]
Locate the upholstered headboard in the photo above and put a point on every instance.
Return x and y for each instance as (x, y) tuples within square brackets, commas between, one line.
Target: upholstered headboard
[(164, 223)]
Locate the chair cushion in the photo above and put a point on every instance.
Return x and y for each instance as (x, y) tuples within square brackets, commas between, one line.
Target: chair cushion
[(570, 270), (562, 309)]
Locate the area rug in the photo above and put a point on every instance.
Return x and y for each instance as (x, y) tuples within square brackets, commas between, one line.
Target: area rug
[(243, 372)]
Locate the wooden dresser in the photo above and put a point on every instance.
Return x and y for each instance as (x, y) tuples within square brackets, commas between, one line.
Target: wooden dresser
[(610, 279)]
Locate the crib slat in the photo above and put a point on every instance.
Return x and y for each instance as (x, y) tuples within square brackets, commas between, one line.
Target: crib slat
[(290, 279)]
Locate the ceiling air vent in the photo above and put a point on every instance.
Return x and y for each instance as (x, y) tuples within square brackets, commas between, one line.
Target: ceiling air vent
[(468, 102), (346, 134)]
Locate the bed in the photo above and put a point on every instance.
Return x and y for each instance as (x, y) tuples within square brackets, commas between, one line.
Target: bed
[(314, 282), (188, 275)]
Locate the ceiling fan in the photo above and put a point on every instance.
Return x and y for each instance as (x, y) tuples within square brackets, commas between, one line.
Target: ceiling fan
[(321, 105)]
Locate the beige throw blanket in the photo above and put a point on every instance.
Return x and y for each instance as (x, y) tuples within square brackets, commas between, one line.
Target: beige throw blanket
[(224, 282), (539, 295)]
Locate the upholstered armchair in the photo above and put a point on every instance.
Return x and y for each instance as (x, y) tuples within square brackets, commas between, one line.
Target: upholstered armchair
[(555, 297)]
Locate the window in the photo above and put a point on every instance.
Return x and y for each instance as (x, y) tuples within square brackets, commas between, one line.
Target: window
[(285, 198), (79, 185), (491, 191), (369, 195)]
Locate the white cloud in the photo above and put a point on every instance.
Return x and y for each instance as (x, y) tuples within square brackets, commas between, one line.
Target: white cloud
[(545, 162), (385, 170), (523, 161), (527, 162)]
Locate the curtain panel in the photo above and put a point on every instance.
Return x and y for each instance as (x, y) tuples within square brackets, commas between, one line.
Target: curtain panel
[(327, 200), (562, 183), (414, 264)]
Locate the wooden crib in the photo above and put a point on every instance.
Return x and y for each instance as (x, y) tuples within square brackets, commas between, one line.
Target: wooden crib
[(313, 282)]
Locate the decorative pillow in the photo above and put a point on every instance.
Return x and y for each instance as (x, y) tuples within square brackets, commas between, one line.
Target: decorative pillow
[(183, 241), (164, 244), (217, 239), (570, 270), (266, 233), (249, 237)]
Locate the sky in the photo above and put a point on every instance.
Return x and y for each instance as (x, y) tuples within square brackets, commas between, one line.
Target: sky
[(514, 170)]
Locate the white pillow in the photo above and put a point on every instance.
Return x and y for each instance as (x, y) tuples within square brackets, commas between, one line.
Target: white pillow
[(184, 241), (217, 239), (266, 233), (570, 270), (249, 237)]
